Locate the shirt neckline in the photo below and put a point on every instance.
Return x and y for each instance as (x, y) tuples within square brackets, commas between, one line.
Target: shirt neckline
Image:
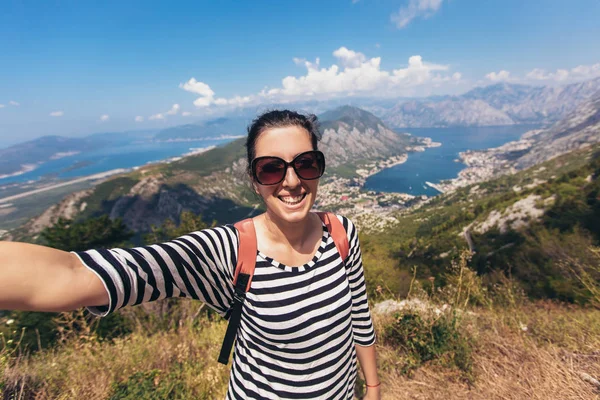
[(302, 268)]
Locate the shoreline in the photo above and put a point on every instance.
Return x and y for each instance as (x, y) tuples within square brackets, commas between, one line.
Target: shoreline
[(483, 165), (103, 175), (398, 160), (370, 209), (25, 168), (93, 177)]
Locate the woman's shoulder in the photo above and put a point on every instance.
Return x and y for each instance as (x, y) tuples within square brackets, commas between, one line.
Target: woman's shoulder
[(347, 222), (349, 226), (221, 235)]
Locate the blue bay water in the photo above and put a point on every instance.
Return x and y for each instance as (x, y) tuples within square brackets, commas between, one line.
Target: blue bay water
[(439, 163), (112, 157)]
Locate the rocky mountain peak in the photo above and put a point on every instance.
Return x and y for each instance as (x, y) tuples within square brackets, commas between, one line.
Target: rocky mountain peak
[(351, 134), (350, 117)]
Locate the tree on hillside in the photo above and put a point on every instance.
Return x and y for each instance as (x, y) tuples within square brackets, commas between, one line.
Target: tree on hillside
[(100, 232), (188, 222)]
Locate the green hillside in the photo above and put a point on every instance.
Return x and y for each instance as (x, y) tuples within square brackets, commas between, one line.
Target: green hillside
[(537, 226), (214, 160)]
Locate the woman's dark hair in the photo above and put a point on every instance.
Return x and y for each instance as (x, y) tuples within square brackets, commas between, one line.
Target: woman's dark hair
[(280, 119)]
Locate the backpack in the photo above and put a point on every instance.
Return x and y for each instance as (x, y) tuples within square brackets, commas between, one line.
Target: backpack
[(246, 262)]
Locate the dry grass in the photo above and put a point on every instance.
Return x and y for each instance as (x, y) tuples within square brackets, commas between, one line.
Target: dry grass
[(89, 370), (536, 352), (517, 350)]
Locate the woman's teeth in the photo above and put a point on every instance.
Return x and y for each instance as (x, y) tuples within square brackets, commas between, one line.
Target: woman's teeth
[(292, 200)]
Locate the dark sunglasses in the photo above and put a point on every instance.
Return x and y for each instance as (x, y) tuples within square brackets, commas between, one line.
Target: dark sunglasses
[(271, 170)]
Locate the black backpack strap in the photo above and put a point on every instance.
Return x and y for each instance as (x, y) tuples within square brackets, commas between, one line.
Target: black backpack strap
[(234, 317), (244, 271)]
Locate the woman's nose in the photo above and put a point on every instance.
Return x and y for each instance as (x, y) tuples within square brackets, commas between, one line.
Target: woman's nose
[(291, 178)]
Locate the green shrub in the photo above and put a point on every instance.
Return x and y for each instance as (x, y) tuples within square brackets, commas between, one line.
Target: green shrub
[(436, 338)]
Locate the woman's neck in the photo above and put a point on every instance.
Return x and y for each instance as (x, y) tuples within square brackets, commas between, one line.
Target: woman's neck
[(295, 234)]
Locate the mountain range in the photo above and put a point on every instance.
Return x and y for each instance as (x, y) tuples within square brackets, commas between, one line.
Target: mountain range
[(579, 129), (499, 104), (219, 127), (27, 155), (215, 184)]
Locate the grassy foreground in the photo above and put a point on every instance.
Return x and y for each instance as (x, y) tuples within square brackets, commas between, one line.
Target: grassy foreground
[(460, 342)]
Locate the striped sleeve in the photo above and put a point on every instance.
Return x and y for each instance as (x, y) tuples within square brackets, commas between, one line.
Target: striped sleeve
[(199, 265), (362, 325)]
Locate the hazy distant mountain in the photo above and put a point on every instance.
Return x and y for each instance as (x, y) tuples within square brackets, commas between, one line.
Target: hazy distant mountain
[(122, 137), (208, 129), (499, 104), (455, 111), (531, 104), (26, 155), (579, 129)]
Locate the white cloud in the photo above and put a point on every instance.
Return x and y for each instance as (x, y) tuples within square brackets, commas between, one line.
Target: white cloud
[(355, 75), (361, 76), (235, 101), (14, 103), (415, 9), (349, 58), (539, 74), (206, 93), (158, 116), (203, 102), (502, 75), (586, 71), (1, 105), (200, 88), (581, 72), (57, 113), (186, 114), (207, 98), (299, 61), (174, 110), (104, 117), (139, 118)]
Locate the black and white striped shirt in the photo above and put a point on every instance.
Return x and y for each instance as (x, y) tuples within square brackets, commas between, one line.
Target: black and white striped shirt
[(299, 324)]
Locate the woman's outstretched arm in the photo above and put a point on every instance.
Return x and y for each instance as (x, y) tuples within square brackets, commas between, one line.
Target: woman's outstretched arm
[(38, 278)]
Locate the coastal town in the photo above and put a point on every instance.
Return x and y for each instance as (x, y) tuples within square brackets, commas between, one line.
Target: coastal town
[(370, 210), (483, 165)]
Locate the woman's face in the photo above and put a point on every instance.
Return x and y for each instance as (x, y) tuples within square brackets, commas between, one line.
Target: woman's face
[(291, 199)]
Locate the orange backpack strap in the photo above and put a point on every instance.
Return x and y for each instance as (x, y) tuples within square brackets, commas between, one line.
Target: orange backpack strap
[(242, 278), (246, 252), (338, 233)]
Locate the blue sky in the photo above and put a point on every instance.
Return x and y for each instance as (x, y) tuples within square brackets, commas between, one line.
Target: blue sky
[(77, 67)]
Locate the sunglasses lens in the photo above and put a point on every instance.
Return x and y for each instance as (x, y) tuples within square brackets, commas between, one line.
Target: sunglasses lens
[(269, 171), (309, 165)]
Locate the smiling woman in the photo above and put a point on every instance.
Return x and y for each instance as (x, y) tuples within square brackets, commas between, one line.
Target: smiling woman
[(305, 318)]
